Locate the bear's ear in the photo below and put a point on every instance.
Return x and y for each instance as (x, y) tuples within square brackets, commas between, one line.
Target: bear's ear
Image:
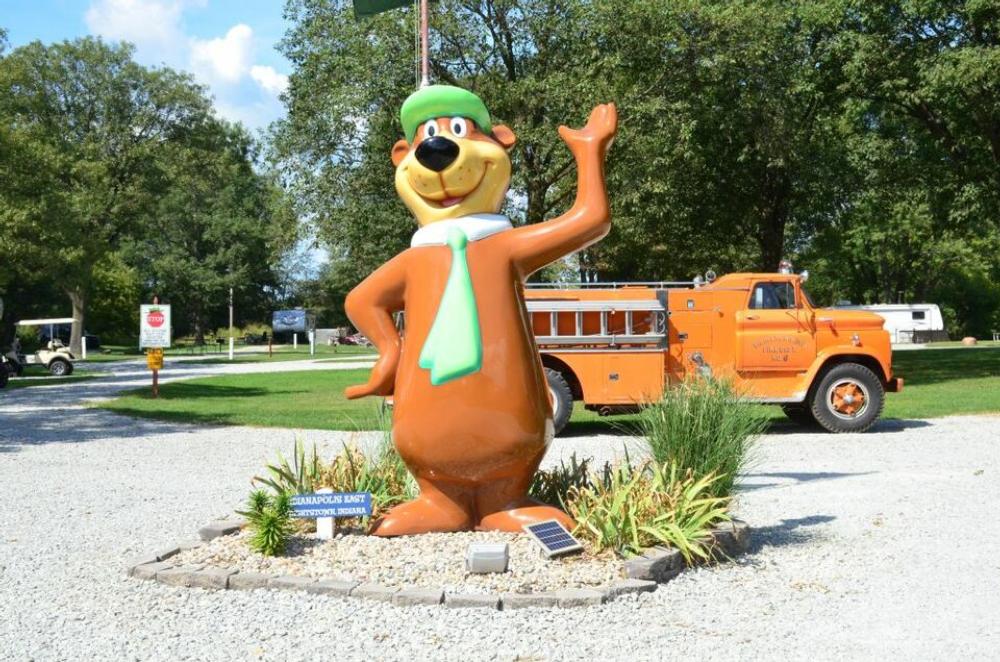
[(399, 151), (503, 135)]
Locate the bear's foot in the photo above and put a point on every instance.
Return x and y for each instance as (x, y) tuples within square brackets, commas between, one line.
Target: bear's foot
[(528, 512), (423, 515)]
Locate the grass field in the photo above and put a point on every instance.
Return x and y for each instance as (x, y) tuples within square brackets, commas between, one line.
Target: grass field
[(323, 353), (301, 399), (939, 382), (209, 353), (36, 375)]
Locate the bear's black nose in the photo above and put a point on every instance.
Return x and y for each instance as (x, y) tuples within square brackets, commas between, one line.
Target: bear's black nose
[(437, 153)]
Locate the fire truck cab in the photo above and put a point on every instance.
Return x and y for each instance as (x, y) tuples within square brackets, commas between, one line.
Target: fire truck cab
[(616, 346)]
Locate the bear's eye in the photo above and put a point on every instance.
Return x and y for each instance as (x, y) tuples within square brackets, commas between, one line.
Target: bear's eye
[(458, 127), (430, 129)]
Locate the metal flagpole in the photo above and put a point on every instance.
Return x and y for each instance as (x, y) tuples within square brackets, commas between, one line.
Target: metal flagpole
[(424, 79)]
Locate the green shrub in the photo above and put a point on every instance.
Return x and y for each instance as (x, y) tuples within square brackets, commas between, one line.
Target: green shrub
[(385, 476), (627, 509), (256, 329), (552, 486), (299, 477), (269, 517), (703, 426)]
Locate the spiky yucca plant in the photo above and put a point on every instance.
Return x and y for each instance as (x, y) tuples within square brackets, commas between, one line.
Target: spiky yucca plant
[(270, 521)]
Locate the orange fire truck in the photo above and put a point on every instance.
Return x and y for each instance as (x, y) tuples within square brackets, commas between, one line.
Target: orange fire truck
[(616, 346)]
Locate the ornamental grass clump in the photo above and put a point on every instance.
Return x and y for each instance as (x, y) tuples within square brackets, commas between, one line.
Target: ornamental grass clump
[(269, 517), (385, 476), (552, 485), (300, 476), (627, 509), (703, 426)]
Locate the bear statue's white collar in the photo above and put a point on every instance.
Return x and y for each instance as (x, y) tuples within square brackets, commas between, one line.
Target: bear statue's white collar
[(475, 227)]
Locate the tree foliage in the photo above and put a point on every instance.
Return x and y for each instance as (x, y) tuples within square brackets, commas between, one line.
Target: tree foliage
[(117, 181), (861, 137), (85, 125)]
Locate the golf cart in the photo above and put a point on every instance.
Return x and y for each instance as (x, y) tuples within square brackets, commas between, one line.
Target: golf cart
[(55, 356)]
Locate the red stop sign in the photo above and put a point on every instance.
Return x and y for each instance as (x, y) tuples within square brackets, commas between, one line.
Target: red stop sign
[(155, 319)]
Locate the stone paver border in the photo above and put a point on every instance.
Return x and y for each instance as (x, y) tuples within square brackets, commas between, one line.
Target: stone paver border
[(643, 573)]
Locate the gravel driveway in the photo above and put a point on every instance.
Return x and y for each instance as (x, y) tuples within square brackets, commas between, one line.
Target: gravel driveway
[(881, 544)]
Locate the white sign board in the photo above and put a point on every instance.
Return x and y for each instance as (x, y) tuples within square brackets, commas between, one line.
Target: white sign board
[(154, 326)]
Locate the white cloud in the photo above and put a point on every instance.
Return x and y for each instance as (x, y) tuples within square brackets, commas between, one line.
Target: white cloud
[(269, 79), (149, 24), (243, 89), (226, 58)]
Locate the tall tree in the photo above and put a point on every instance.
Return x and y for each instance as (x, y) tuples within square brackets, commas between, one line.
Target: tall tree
[(218, 224), (725, 150), (83, 125), (922, 137)]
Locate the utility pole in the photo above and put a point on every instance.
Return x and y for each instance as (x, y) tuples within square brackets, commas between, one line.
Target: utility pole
[(231, 339)]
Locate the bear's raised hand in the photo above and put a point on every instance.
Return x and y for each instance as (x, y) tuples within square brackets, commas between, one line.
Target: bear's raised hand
[(599, 131)]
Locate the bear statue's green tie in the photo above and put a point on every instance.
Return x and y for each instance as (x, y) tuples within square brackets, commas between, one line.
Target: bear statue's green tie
[(454, 347)]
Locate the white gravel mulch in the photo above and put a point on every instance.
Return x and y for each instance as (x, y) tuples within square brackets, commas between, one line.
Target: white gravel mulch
[(871, 546), (433, 560)]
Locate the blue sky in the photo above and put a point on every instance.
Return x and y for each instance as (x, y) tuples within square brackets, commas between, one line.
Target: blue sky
[(227, 45)]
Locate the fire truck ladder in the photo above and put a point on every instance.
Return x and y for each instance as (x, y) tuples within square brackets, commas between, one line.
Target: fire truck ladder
[(653, 310)]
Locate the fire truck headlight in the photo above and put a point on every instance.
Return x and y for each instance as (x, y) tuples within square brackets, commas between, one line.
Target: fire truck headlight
[(710, 276)]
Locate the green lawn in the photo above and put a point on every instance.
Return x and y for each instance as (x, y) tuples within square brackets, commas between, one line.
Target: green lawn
[(945, 381), (210, 354), (958, 343), (323, 353), (301, 399), (939, 382), (39, 376)]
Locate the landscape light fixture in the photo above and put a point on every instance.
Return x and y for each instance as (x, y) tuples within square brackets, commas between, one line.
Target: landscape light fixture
[(483, 557)]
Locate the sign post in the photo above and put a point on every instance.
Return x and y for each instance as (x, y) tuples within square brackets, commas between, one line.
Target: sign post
[(325, 526), (231, 339), (154, 336), (326, 504)]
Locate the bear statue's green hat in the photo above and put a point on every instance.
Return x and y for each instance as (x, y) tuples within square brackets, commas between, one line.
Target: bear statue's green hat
[(442, 101)]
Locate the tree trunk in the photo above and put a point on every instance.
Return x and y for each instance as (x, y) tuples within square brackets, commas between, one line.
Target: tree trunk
[(773, 220), (199, 326), (771, 240), (79, 301)]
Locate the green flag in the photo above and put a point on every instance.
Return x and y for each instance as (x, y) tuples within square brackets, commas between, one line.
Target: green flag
[(372, 7)]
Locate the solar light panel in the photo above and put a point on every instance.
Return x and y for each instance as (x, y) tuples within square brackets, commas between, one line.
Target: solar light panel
[(553, 538)]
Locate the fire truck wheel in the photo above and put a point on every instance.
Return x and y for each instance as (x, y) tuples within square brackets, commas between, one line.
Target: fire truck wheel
[(562, 399), (849, 398), (800, 414)]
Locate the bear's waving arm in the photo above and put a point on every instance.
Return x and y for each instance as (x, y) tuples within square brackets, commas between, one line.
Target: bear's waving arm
[(588, 221), (370, 306)]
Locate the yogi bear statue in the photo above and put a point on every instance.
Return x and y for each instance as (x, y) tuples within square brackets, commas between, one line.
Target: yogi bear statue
[(472, 417)]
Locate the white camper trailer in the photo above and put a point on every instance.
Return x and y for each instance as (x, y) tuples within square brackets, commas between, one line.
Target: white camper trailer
[(909, 322)]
